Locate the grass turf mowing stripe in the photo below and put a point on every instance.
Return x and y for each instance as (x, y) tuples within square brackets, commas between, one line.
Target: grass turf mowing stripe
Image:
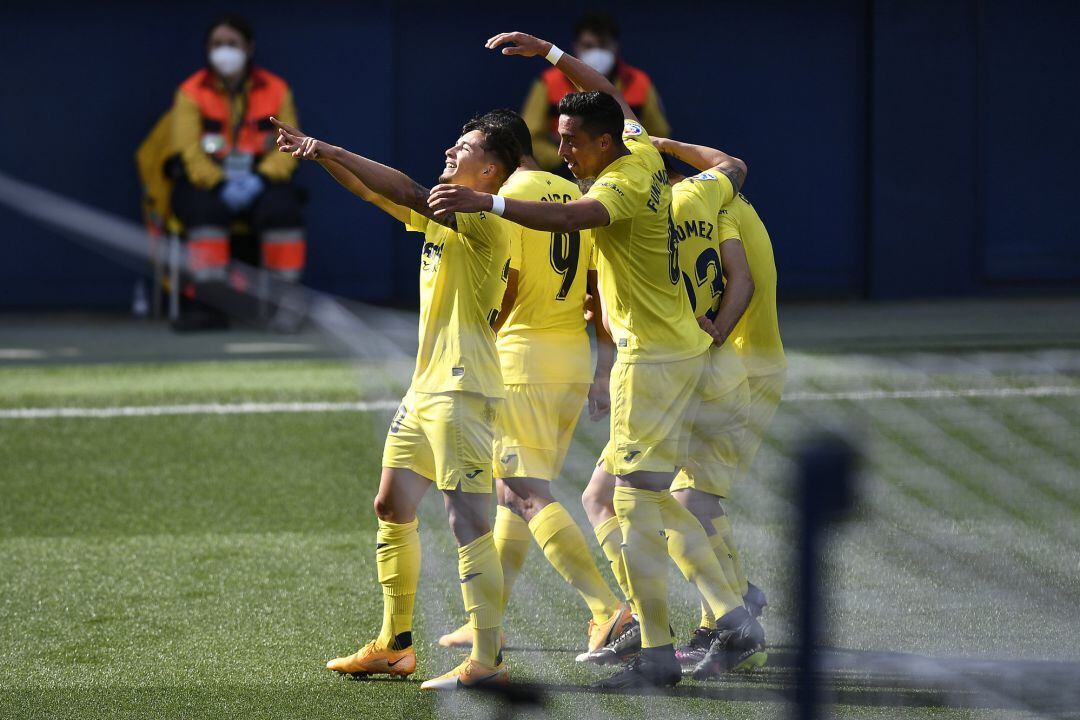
[(248, 408)]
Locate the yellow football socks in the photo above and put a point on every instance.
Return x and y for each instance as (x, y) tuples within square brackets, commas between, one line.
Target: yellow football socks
[(723, 530), (512, 541), (689, 548), (564, 545), (708, 620), (397, 559), (609, 535), (482, 590), (645, 555)]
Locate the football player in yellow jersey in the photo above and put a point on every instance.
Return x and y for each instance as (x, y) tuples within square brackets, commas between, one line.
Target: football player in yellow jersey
[(444, 430), (720, 286), (546, 366), (662, 352), (756, 337)]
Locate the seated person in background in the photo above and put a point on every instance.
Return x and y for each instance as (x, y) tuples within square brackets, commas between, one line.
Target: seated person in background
[(596, 42), (229, 168)]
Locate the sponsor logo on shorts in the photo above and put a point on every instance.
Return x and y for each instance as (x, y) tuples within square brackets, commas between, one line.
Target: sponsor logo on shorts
[(399, 416), (469, 577), (457, 372), (629, 457), (507, 459), (473, 474)]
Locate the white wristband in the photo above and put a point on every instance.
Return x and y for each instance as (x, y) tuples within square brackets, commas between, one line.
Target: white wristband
[(554, 54), (498, 205)]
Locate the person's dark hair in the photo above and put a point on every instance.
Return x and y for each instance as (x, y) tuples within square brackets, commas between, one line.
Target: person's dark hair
[(514, 122), (237, 22), (599, 112), (499, 140), (600, 24)]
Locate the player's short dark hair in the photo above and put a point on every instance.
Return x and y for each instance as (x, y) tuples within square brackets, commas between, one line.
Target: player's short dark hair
[(239, 23), (499, 140), (516, 125), (599, 112), (600, 24)]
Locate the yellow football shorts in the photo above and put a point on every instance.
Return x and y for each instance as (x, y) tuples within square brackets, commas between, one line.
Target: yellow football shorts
[(445, 437), (717, 440), (651, 408), (536, 426), (765, 393)]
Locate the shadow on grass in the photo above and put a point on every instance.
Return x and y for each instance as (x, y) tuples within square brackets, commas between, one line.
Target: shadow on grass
[(869, 679)]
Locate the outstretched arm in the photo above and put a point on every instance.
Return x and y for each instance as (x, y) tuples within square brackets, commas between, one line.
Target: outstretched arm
[(445, 200), (583, 76), (353, 184), (705, 158), (394, 185)]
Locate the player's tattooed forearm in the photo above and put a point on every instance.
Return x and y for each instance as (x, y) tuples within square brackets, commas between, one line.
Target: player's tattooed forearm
[(418, 201), (736, 176)]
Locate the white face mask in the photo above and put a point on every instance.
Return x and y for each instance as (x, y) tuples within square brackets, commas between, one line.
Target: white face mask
[(227, 60), (599, 59)]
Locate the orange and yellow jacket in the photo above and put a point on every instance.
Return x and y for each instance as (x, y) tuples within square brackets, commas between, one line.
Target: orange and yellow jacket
[(208, 123), (541, 112)]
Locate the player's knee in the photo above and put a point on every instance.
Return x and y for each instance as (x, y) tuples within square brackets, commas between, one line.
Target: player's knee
[(467, 527), (596, 500), (527, 506), (384, 509)]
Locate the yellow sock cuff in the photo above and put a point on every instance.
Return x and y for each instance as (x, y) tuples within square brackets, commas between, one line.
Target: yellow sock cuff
[(548, 522), (604, 529), (510, 526), (389, 532), (716, 542), (626, 493), (474, 551)]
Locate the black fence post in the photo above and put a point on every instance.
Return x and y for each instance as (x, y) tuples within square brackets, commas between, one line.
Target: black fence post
[(825, 492)]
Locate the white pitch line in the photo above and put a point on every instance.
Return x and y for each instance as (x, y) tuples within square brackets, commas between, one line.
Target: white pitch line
[(200, 409), (253, 408), (939, 394)]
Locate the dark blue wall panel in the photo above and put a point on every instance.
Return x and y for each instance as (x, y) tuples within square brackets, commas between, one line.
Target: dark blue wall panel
[(1030, 150), (876, 130)]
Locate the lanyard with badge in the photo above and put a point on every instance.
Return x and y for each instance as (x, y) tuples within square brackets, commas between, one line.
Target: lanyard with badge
[(236, 163)]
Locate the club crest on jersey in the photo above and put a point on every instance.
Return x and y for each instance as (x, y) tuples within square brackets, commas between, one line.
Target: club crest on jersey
[(704, 176), (632, 128)]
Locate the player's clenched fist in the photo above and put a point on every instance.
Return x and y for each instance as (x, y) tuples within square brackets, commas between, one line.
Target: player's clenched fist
[(290, 140), (519, 43), (449, 199)]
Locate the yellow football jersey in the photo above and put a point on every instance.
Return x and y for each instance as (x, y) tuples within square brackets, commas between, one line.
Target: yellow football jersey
[(543, 339), (462, 281), (695, 205), (757, 334), (638, 259)]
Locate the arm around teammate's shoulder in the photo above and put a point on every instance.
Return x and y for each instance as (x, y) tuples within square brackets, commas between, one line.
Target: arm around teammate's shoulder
[(705, 159), (582, 214)]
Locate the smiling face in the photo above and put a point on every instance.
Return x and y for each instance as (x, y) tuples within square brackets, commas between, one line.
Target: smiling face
[(584, 154), (468, 163)]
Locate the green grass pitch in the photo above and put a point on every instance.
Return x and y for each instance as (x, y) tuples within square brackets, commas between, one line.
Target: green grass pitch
[(207, 566)]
